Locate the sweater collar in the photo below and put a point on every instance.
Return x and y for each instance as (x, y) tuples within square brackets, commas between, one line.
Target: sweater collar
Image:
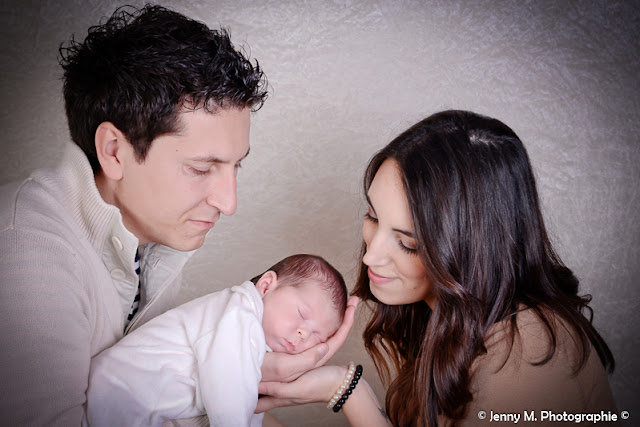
[(101, 224)]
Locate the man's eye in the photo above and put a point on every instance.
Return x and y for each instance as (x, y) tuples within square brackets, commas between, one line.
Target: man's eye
[(195, 171)]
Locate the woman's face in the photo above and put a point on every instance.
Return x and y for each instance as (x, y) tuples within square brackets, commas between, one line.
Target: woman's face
[(396, 274)]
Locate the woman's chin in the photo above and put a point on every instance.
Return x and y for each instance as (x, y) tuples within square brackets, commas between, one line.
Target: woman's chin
[(381, 296)]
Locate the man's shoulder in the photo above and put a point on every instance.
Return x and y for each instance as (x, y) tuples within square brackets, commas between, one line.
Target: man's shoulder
[(33, 216), (8, 201), (29, 206)]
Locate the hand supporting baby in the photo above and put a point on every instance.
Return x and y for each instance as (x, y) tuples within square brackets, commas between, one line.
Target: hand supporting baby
[(282, 367)]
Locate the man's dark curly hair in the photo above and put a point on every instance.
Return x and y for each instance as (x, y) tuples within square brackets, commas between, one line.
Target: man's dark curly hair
[(141, 67)]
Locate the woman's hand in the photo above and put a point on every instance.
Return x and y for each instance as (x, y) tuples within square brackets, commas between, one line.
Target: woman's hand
[(284, 367), (319, 385), (316, 385)]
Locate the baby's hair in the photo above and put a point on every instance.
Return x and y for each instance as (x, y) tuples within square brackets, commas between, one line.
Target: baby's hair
[(296, 268)]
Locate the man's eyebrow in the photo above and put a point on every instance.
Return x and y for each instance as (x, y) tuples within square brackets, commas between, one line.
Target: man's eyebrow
[(406, 233), (214, 159)]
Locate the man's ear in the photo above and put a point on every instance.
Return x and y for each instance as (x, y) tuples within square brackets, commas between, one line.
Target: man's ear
[(267, 282), (109, 147)]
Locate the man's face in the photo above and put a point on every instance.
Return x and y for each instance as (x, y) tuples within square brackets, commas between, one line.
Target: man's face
[(187, 180)]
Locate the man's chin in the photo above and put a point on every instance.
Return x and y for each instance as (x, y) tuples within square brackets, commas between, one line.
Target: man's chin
[(186, 245)]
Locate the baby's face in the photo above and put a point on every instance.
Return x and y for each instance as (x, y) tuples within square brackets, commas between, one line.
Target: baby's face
[(297, 318)]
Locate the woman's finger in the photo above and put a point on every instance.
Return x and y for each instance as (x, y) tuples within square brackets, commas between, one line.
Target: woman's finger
[(272, 393), (268, 403), (287, 367), (338, 339)]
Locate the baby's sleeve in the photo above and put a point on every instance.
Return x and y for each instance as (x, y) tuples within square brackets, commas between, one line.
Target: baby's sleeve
[(229, 364), (145, 378)]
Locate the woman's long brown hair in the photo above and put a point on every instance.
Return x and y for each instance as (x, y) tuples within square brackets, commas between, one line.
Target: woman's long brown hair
[(481, 237)]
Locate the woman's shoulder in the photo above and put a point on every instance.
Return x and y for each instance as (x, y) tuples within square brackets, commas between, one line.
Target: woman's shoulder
[(522, 370), (531, 338)]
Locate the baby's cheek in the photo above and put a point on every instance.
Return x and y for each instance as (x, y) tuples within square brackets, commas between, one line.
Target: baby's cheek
[(311, 342)]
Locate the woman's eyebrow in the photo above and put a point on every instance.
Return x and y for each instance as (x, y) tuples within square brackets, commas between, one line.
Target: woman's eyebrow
[(369, 203), (406, 233)]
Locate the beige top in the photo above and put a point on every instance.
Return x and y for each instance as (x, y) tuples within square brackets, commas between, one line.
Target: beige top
[(521, 392)]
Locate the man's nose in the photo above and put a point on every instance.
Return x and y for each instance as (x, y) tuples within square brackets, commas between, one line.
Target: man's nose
[(223, 193)]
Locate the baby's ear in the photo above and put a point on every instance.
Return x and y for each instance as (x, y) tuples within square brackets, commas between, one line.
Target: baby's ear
[(267, 282)]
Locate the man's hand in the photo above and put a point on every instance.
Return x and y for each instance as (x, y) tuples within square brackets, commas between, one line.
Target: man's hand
[(282, 367)]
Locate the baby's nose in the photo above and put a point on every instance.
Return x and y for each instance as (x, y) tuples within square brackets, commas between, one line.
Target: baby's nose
[(303, 334)]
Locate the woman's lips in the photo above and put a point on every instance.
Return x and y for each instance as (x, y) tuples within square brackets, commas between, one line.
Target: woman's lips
[(377, 279)]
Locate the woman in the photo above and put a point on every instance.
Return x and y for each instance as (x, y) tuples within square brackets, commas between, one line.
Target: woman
[(473, 310)]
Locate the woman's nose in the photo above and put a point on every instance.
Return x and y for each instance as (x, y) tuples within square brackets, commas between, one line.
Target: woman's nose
[(376, 253)]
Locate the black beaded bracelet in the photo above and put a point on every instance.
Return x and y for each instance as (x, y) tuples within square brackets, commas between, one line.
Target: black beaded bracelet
[(348, 391)]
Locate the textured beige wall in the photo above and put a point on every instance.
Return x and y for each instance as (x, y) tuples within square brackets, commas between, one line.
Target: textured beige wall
[(346, 77)]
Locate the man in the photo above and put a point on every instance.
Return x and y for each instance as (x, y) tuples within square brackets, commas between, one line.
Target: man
[(158, 107)]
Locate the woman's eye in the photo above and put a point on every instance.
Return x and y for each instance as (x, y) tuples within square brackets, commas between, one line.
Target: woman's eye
[(369, 217), (407, 249)]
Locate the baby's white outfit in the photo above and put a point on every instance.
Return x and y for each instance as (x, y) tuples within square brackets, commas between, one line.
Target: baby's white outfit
[(203, 356)]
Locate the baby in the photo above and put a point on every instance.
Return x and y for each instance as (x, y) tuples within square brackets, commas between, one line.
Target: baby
[(205, 356)]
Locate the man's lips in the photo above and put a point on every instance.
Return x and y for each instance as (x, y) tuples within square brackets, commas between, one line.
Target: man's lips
[(377, 279), (203, 224)]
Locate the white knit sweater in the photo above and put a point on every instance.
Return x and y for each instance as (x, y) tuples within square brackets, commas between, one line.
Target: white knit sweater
[(66, 286)]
